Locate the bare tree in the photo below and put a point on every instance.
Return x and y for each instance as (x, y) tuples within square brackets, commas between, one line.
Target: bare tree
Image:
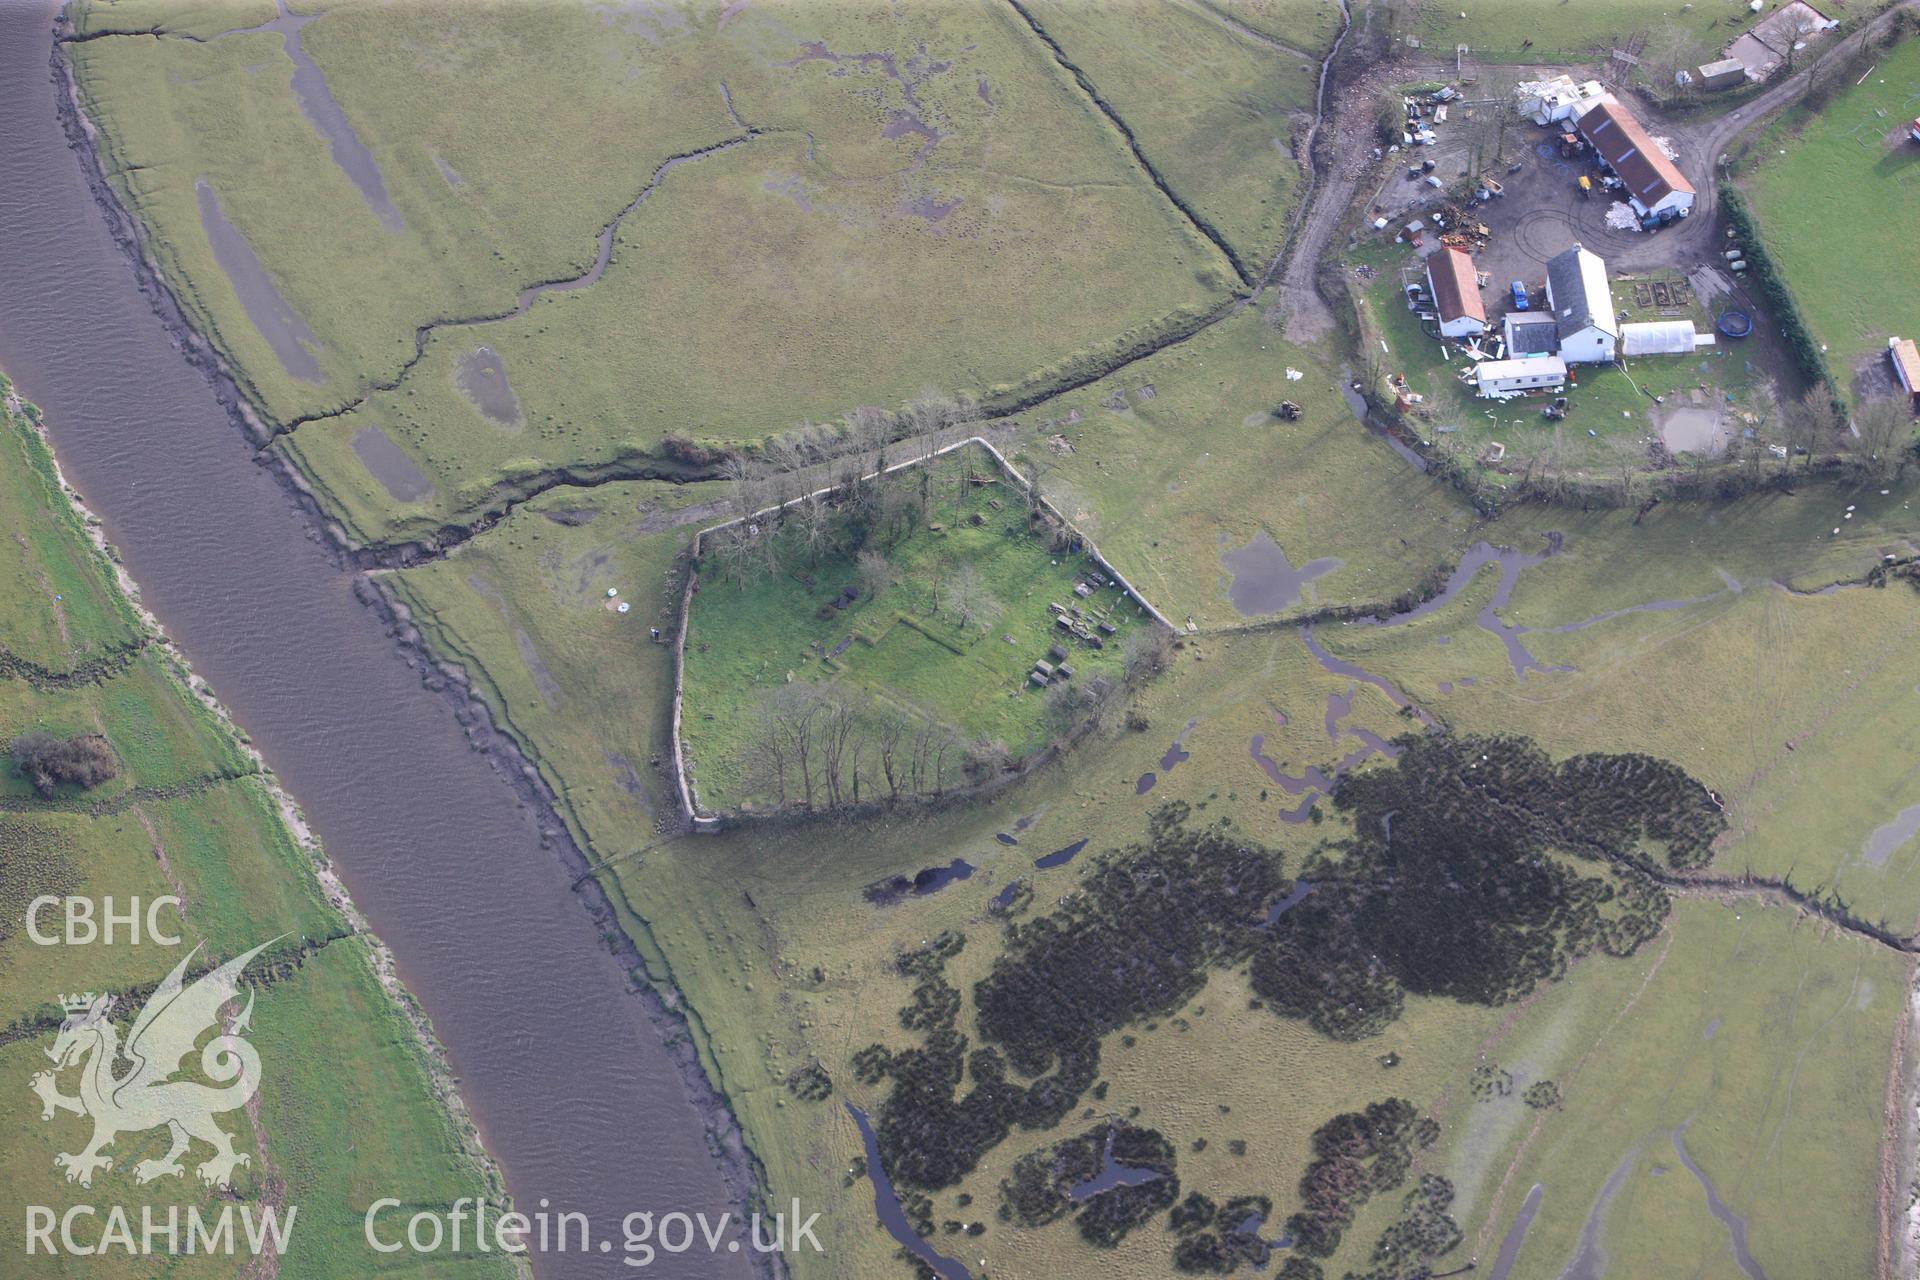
[(1145, 651), (967, 594), (839, 731), (793, 714), (813, 526), (1885, 424), (1811, 424), (891, 736), (875, 573)]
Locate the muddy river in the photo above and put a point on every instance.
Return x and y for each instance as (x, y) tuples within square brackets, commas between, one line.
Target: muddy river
[(566, 1073)]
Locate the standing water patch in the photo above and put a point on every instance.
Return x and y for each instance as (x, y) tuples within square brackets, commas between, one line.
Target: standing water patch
[(481, 378), (1264, 580)]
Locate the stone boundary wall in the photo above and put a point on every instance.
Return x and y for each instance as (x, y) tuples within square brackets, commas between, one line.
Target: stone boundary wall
[(685, 789)]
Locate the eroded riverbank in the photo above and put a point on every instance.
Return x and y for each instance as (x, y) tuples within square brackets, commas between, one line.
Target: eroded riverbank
[(465, 878)]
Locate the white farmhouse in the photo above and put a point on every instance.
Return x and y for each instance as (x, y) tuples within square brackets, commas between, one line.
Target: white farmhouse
[(1582, 307), (1455, 286)]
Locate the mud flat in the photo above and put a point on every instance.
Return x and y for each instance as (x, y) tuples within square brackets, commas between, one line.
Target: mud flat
[(294, 344), (481, 376), (390, 465)]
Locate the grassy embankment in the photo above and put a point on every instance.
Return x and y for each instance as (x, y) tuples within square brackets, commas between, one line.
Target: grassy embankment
[(1834, 190), (347, 1109)]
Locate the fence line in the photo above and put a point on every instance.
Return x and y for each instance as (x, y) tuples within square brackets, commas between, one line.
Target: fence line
[(688, 790)]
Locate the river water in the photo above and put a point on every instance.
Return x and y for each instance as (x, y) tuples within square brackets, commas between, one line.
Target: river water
[(567, 1077)]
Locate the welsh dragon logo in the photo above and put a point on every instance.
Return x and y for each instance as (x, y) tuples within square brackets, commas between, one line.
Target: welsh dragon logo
[(148, 1095)]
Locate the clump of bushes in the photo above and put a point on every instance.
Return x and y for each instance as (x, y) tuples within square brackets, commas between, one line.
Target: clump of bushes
[(84, 760), (1355, 1154)]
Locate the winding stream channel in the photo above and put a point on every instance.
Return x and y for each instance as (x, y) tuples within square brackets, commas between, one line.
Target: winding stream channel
[(564, 1070)]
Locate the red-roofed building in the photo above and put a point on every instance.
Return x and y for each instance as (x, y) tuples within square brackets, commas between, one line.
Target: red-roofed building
[(1906, 366), (1456, 294), (1654, 183)]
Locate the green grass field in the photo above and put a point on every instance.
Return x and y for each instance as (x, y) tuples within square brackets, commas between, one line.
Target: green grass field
[(1850, 165), (1215, 111), (1529, 31), (190, 815), (920, 645), (879, 221), (1179, 458)]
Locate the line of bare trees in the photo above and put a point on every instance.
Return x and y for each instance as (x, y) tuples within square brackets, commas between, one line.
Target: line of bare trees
[(826, 746)]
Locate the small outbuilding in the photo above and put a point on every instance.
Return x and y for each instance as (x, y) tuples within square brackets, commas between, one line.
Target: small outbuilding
[(1727, 73), (1516, 377), (1455, 287), (1531, 335), (1906, 366), (1582, 307), (1662, 338)]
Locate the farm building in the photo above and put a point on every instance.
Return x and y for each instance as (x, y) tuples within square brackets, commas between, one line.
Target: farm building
[(1582, 307), (1557, 100), (1514, 377), (1531, 335), (1724, 74), (1654, 183), (1455, 286), (1771, 45), (1662, 338), (1906, 366)]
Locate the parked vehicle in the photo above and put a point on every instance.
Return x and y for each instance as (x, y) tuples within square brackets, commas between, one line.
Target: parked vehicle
[(1520, 295)]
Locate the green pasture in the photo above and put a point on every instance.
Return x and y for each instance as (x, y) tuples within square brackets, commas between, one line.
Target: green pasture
[(424, 86), (1216, 111), (1837, 195), (907, 645), (1178, 458), (1550, 31), (348, 1107), (62, 610), (1308, 26)]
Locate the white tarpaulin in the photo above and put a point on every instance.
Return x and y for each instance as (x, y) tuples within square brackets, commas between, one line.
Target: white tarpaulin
[(1657, 338), (1621, 217)]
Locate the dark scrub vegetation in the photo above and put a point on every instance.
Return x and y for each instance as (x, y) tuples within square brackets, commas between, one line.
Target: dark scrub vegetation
[(1216, 1239), (84, 760), (1041, 1186), (1355, 1155), (1469, 898), (1478, 895)]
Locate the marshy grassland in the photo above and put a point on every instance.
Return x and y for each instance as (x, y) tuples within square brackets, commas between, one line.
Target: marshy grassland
[(350, 1105), (926, 197)]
